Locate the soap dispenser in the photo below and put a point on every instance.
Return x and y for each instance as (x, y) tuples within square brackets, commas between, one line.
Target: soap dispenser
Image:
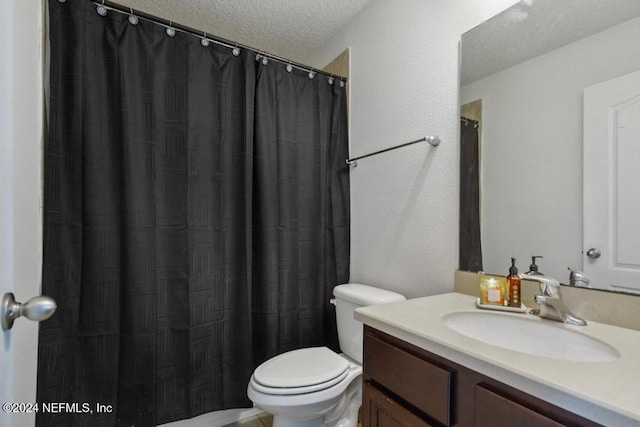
[(533, 268), (513, 285)]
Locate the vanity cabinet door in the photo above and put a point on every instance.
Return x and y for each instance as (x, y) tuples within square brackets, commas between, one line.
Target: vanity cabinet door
[(492, 410), (380, 410)]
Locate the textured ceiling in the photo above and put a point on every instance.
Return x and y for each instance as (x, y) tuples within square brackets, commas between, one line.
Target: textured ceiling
[(533, 27), (291, 29)]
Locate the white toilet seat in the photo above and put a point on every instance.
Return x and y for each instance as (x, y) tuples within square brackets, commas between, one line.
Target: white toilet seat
[(306, 370), (297, 390), (274, 401)]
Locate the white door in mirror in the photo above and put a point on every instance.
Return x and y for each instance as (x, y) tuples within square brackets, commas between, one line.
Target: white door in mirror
[(611, 182)]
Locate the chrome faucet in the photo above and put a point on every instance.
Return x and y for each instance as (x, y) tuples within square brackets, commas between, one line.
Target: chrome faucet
[(578, 278), (551, 306)]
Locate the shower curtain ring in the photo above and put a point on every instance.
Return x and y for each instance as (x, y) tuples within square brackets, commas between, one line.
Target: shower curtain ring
[(263, 57), (101, 9), (204, 41), (133, 19), (170, 30)]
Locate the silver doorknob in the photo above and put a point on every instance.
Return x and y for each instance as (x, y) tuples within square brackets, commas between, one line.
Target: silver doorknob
[(37, 308), (594, 253)]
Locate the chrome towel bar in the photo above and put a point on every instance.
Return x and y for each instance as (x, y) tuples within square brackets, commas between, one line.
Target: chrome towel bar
[(433, 140)]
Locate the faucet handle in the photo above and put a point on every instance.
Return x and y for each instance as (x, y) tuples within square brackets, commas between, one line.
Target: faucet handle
[(548, 285), (578, 278)]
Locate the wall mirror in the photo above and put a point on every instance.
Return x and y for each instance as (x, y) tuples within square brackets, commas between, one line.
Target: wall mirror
[(530, 67)]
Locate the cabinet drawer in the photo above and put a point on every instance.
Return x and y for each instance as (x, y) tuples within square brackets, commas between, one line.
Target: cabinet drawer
[(491, 409), (415, 380)]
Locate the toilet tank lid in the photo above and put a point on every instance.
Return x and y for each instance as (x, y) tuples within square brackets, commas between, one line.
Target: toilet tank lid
[(365, 295)]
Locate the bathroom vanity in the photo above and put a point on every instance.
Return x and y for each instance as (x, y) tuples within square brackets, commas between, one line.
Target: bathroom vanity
[(405, 385), (418, 371)]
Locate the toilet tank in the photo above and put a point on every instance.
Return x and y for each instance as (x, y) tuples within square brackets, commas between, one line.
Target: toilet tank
[(349, 297)]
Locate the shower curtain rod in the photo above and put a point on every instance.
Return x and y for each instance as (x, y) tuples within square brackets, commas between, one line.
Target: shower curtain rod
[(260, 54), (433, 140)]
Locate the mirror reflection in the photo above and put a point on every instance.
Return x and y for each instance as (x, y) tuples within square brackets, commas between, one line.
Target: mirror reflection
[(555, 89)]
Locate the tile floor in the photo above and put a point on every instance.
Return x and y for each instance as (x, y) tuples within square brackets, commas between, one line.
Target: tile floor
[(260, 420)]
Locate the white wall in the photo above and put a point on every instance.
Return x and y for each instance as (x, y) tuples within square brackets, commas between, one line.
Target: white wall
[(404, 85), (532, 149)]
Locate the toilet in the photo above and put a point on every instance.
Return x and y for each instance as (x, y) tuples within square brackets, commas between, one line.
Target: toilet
[(316, 387)]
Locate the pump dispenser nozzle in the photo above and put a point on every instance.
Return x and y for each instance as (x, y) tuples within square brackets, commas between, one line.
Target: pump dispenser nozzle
[(513, 269), (533, 268)]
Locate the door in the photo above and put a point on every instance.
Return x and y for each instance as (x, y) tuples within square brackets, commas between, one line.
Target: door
[(612, 183), (21, 125)]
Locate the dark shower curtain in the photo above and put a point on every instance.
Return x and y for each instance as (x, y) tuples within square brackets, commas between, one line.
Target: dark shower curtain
[(196, 219), (470, 251)]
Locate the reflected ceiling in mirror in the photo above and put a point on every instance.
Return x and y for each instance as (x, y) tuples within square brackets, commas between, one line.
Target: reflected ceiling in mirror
[(534, 27)]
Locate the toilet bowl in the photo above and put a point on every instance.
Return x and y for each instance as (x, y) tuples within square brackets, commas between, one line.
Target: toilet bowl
[(316, 387), (306, 387)]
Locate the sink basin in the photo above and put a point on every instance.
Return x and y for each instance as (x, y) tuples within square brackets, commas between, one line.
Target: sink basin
[(531, 335)]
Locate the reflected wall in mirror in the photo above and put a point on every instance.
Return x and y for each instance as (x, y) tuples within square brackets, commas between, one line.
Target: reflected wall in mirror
[(530, 66)]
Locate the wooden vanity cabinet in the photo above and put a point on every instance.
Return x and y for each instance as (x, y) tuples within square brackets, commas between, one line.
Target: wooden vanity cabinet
[(404, 385)]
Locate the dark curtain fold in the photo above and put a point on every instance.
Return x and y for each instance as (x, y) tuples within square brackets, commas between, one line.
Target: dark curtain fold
[(196, 219), (470, 252), (301, 189)]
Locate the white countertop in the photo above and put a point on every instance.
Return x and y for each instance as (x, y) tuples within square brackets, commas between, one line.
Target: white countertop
[(605, 392)]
